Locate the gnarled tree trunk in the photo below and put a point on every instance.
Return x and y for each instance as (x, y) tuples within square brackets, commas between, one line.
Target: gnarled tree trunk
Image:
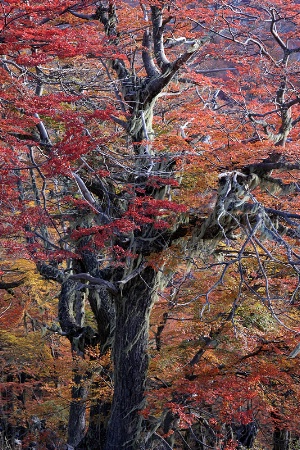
[(130, 356)]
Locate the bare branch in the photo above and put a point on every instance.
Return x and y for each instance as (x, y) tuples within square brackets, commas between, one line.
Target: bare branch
[(149, 64), (274, 32), (158, 28), (94, 281)]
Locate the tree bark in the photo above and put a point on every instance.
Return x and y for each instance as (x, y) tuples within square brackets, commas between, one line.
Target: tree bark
[(281, 439), (95, 436), (77, 414), (130, 357)]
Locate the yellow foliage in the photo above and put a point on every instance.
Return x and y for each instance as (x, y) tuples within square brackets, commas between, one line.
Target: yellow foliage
[(24, 349)]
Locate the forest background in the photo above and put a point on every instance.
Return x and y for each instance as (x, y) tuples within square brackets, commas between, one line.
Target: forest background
[(149, 284)]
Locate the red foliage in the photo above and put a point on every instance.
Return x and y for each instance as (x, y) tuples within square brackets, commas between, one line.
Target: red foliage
[(66, 113)]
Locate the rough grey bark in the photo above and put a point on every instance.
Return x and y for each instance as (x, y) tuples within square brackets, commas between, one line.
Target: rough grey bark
[(101, 303), (77, 414), (133, 305), (71, 316)]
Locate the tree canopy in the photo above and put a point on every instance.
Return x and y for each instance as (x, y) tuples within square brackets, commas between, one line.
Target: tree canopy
[(150, 218)]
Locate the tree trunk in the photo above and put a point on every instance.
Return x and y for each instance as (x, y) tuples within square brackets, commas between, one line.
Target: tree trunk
[(130, 357), (100, 303), (77, 414), (95, 436), (281, 439)]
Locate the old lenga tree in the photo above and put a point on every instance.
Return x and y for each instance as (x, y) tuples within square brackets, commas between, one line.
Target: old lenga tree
[(102, 189)]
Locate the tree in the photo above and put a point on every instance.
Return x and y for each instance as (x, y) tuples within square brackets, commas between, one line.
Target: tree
[(92, 162)]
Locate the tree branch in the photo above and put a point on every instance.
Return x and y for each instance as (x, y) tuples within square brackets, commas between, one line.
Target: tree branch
[(149, 64), (158, 29), (94, 281)]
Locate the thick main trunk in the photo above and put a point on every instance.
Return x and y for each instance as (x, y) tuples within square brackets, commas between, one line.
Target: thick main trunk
[(130, 356)]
